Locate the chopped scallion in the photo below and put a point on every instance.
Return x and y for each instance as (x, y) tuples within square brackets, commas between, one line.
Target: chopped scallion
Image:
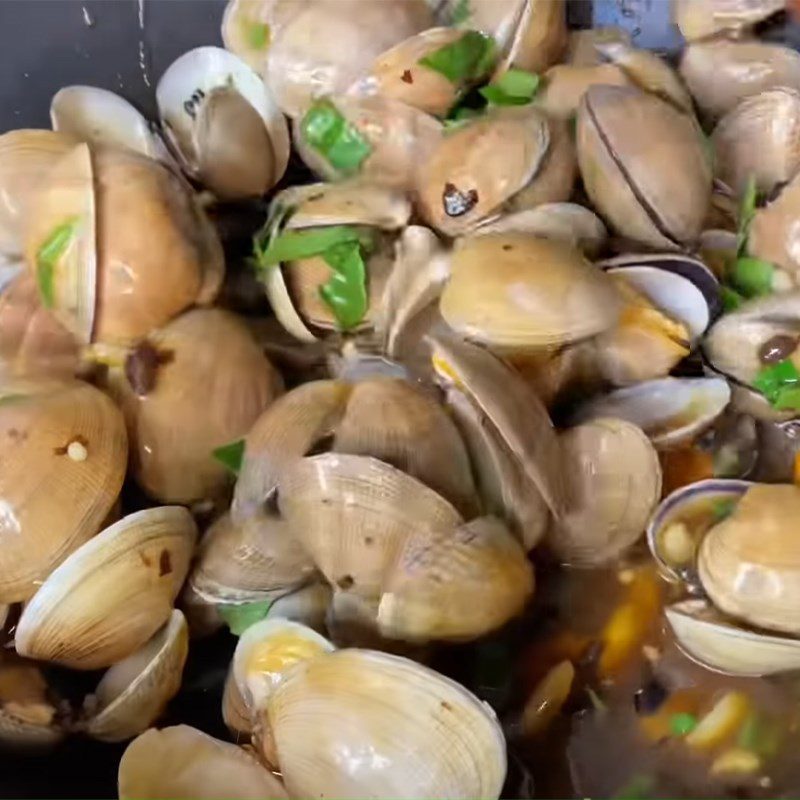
[(230, 455), (294, 245), (683, 723), (337, 140), (345, 292), (465, 60), (775, 378), (516, 87), (48, 256), (239, 618), (751, 277)]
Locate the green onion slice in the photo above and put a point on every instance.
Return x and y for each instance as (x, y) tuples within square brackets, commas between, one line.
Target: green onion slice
[(775, 378), (461, 12), (240, 617), (330, 134), (345, 292), (516, 87), (230, 455), (465, 60), (48, 256), (294, 245), (751, 277)]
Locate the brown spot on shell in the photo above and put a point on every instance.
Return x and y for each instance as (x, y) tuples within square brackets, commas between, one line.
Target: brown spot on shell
[(777, 349), (345, 582), (458, 202), (164, 564), (145, 559), (446, 706), (141, 367), (407, 77)]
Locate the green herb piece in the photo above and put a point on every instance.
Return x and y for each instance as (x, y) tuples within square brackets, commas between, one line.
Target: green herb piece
[(731, 299), (775, 377), (751, 277), (296, 245), (787, 399), (639, 787), (346, 290), (515, 88), (747, 210), (48, 256), (461, 12), (8, 399), (240, 617), (683, 723), (465, 60), (722, 509), (230, 455), (258, 34), (329, 133)]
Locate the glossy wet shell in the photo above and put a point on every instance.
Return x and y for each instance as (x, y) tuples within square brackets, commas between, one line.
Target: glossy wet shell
[(700, 20), (565, 85), (540, 37), (437, 738), (614, 483), (110, 596), (773, 232), (755, 577), (538, 293), (625, 169), (53, 501)]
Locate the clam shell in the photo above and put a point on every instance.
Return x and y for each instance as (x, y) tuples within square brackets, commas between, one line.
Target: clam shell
[(235, 712), (381, 702), (540, 37), (614, 482), (309, 605), (773, 234), (582, 47), (566, 84), (135, 691), (718, 644), (27, 717), (456, 585), (112, 594), (54, 501), (539, 293), (760, 138), (353, 515), (183, 762), (700, 20), (98, 116), (197, 74), (669, 410)]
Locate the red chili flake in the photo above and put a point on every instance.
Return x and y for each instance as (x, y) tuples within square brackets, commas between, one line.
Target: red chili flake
[(407, 77), (457, 202)]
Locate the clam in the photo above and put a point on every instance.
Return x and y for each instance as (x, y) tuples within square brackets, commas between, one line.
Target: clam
[(714, 641), (224, 123), (142, 215), (540, 36), (353, 515), (183, 762), (669, 410), (582, 45), (751, 577), (112, 594), (28, 717), (539, 293), (209, 358), (65, 459), (456, 585), (721, 73), (614, 482), (134, 692), (478, 167), (495, 18), (98, 116), (309, 605), (701, 20), (772, 233), (266, 654), (235, 713), (624, 167), (566, 84), (246, 563), (323, 48), (760, 138), (563, 222)]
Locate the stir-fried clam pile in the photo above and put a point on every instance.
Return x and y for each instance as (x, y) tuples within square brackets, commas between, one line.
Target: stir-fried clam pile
[(540, 314)]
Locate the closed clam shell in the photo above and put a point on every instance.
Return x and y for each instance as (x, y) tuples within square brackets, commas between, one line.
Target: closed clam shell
[(759, 139), (721, 73), (353, 514), (458, 585), (717, 643), (625, 170), (614, 483), (112, 594), (539, 293), (350, 700), (135, 691), (749, 564), (773, 233), (582, 45), (565, 85), (197, 384), (235, 712), (396, 422), (540, 38), (248, 562), (54, 498), (478, 374), (288, 429), (477, 168), (183, 762), (27, 714), (700, 20)]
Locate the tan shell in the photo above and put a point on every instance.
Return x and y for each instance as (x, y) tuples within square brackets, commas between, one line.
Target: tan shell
[(111, 595), (721, 73), (182, 762), (249, 562), (773, 232), (458, 585), (699, 20), (748, 563), (625, 170), (235, 712), (362, 700), (540, 38), (582, 45), (759, 138), (486, 162), (135, 691), (565, 85), (539, 293), (54, 500), (353, 515), (614, 479), (210, 386)]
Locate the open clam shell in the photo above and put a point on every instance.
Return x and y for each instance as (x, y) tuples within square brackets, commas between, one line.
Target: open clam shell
[(669, 410), (112, 594), (134, 692), (210, 103), (540, 37), (719, 644)]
